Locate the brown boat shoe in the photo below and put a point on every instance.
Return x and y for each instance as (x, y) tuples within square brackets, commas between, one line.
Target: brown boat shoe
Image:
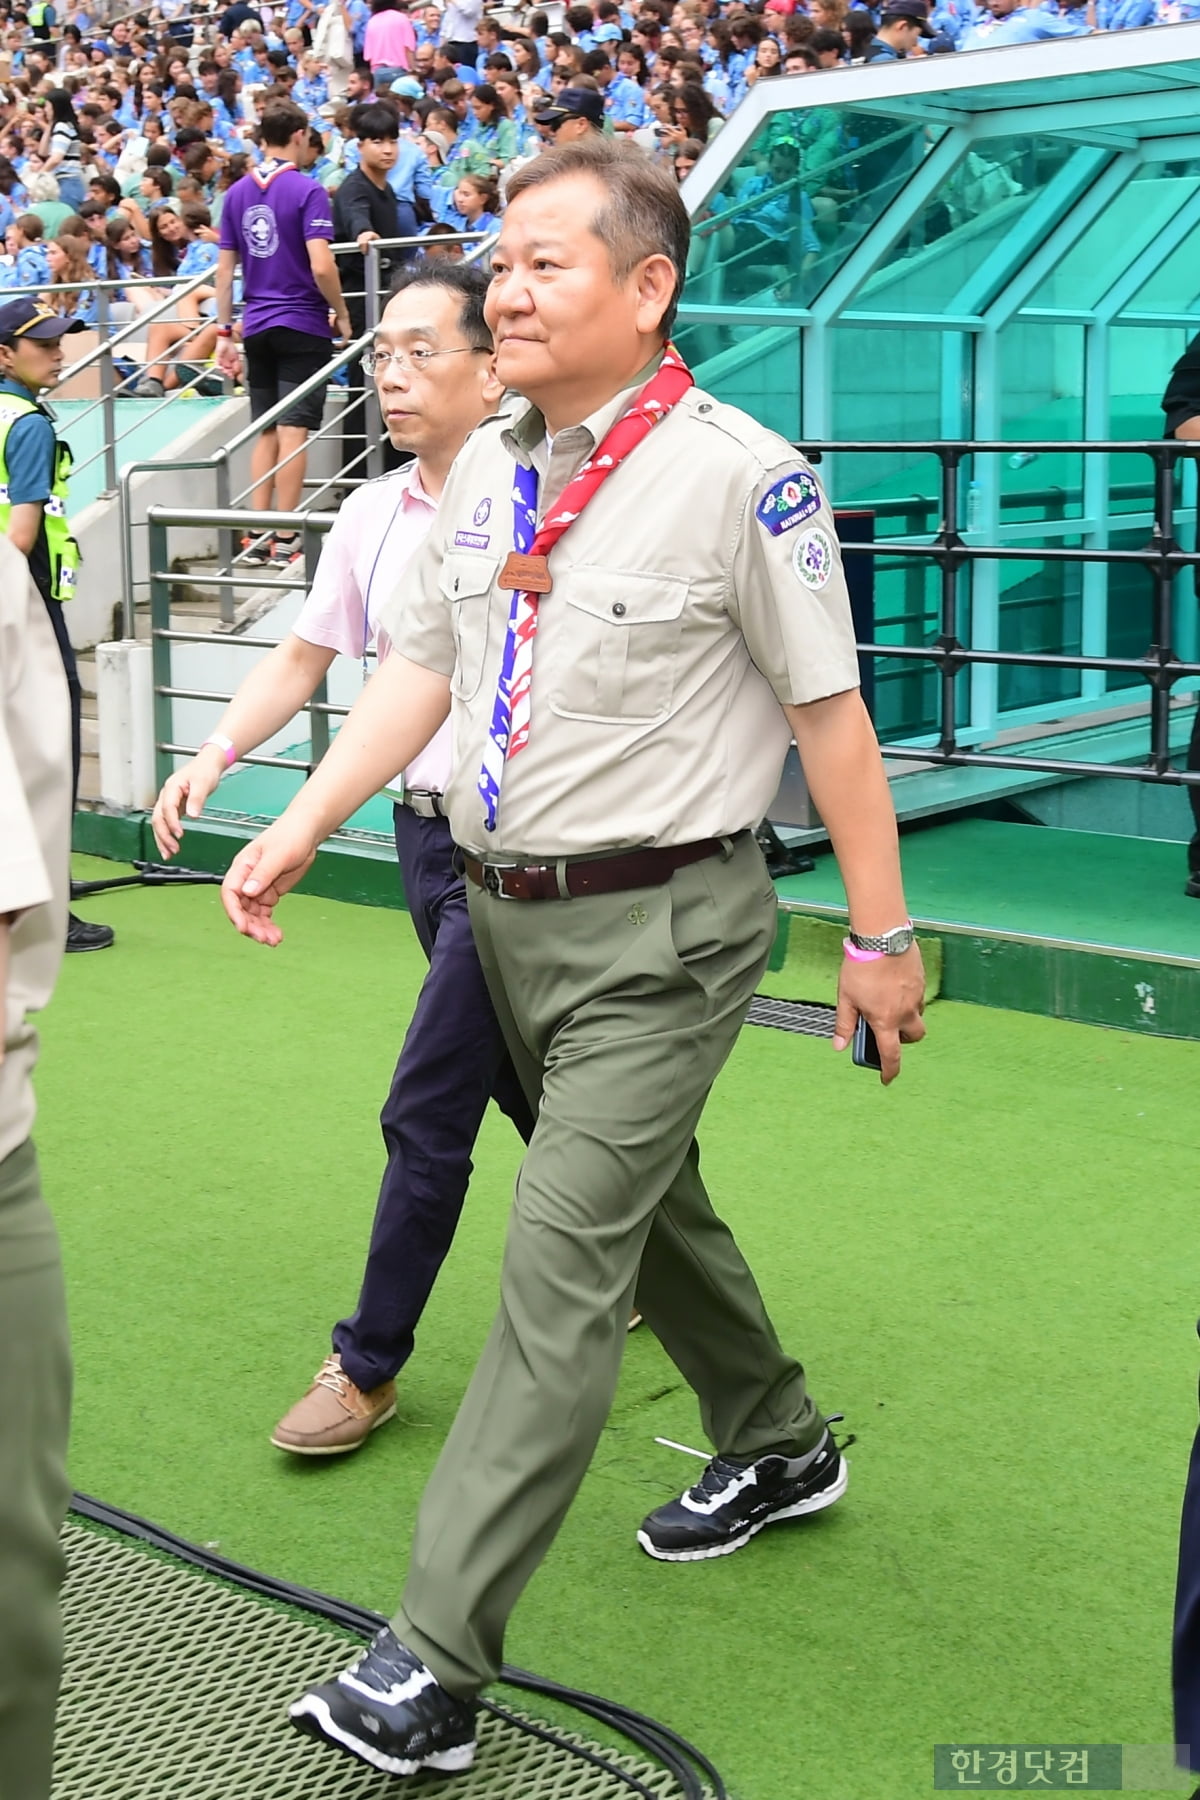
[(334, 1416)]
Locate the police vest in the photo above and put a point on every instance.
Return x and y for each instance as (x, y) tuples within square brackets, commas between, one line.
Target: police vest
[(36, 13), (61, 546)]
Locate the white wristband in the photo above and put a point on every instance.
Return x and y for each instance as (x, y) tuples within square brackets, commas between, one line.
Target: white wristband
[(225, 745)]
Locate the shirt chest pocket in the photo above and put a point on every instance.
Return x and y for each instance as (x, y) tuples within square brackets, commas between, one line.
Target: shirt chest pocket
[(617, 646), (466, 584)]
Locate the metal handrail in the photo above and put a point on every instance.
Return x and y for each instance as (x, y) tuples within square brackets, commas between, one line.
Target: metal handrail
[(109, 341), (312, 527), (949, 552), (1160, 667), (219, 461)]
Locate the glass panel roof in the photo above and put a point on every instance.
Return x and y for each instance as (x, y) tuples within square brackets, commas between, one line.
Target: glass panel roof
[(1129, 224), (913, 189)]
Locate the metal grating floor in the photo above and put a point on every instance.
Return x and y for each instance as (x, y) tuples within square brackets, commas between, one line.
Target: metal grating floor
[(792, 1015), (177, 1685)]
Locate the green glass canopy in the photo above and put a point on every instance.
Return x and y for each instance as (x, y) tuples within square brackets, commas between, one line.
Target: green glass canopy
[(998, 245)]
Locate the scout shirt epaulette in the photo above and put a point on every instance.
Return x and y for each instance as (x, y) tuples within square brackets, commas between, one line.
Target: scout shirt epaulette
[(511, 406), (503, 417), (769, 448)]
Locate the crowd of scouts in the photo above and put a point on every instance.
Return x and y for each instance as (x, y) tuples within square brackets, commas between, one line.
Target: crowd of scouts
[(119, 142)]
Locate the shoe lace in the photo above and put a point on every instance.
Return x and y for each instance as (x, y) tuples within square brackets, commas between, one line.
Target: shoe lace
[(722, 1469), (385, 1659), (718, 1474), (331, 1375)]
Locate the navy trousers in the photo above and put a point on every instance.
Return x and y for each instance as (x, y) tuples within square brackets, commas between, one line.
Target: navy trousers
[(1186, 1659), (74, 688), (452, 1063)]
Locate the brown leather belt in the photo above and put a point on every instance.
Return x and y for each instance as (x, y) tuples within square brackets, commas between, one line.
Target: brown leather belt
[(572, 877)]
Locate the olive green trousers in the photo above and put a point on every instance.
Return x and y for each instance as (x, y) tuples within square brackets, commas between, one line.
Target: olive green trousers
[(619, 1011), (34, 1416)]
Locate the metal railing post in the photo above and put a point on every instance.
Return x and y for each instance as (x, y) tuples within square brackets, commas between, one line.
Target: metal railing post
[(950, 542), (371, 423), (318, 727), (226, 546), (128, 603), (107, 392), (915, 522), (160, 647), (1162, 574)]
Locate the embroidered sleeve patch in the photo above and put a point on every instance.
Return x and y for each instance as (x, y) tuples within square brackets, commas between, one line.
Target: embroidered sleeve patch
[(788, 503), (812, 558)]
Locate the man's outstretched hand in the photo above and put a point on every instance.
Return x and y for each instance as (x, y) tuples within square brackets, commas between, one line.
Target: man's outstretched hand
[(262, 874)]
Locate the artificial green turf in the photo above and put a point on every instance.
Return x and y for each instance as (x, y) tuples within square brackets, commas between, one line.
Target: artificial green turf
[(990, 1268)]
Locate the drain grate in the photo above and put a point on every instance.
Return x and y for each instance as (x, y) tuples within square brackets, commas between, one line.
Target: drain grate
[(792, 1015), (177, 1685)]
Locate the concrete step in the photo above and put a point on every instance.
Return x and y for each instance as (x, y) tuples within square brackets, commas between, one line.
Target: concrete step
[(195, 608)]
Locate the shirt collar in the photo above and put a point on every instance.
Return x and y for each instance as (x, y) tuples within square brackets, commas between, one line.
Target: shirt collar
[(527, 431), (414, 488)]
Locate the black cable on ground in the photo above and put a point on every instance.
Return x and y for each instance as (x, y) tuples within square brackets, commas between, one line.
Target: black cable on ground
[(149, 874), (689, 1767), (672, 1750)]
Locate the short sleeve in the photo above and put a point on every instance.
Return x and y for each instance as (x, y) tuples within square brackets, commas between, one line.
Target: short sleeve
[(317, 213), (415, 616), (24, 881), (333, 614), (230, 239), (30, 458), (789, 593)]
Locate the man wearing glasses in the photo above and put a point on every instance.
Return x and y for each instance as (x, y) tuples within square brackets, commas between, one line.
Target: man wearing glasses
[(432, 366)]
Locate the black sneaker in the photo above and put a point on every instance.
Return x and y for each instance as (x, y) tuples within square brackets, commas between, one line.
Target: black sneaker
[(388, 1709), (1192, 889), (732, 1501), (82, 936)]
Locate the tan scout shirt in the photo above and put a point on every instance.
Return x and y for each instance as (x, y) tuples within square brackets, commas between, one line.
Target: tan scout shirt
[(700, 587), (35, 823)]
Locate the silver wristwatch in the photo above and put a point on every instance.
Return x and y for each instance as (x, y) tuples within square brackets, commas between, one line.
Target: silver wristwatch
[(892, 943)]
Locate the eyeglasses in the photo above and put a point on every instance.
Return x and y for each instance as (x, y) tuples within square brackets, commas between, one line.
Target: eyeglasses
[(409, 362)]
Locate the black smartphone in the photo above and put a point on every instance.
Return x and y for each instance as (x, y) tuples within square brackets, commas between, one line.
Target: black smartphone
[(864, 1051)]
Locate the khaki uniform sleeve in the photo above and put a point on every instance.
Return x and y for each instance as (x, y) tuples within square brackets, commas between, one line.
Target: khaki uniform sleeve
[(24, 880), (788, 591), (416, 616)]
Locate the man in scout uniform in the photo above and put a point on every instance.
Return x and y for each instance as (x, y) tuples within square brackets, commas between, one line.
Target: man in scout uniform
[(34, 467), (35, 828), (633, 597)]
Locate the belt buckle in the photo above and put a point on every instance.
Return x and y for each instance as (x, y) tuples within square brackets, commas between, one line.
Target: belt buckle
[(492, 882)]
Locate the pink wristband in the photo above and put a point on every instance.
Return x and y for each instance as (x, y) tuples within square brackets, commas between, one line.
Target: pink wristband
[(857, 955), (225, 745)]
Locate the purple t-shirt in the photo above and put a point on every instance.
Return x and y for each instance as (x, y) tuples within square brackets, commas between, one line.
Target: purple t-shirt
[(269, 224)]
